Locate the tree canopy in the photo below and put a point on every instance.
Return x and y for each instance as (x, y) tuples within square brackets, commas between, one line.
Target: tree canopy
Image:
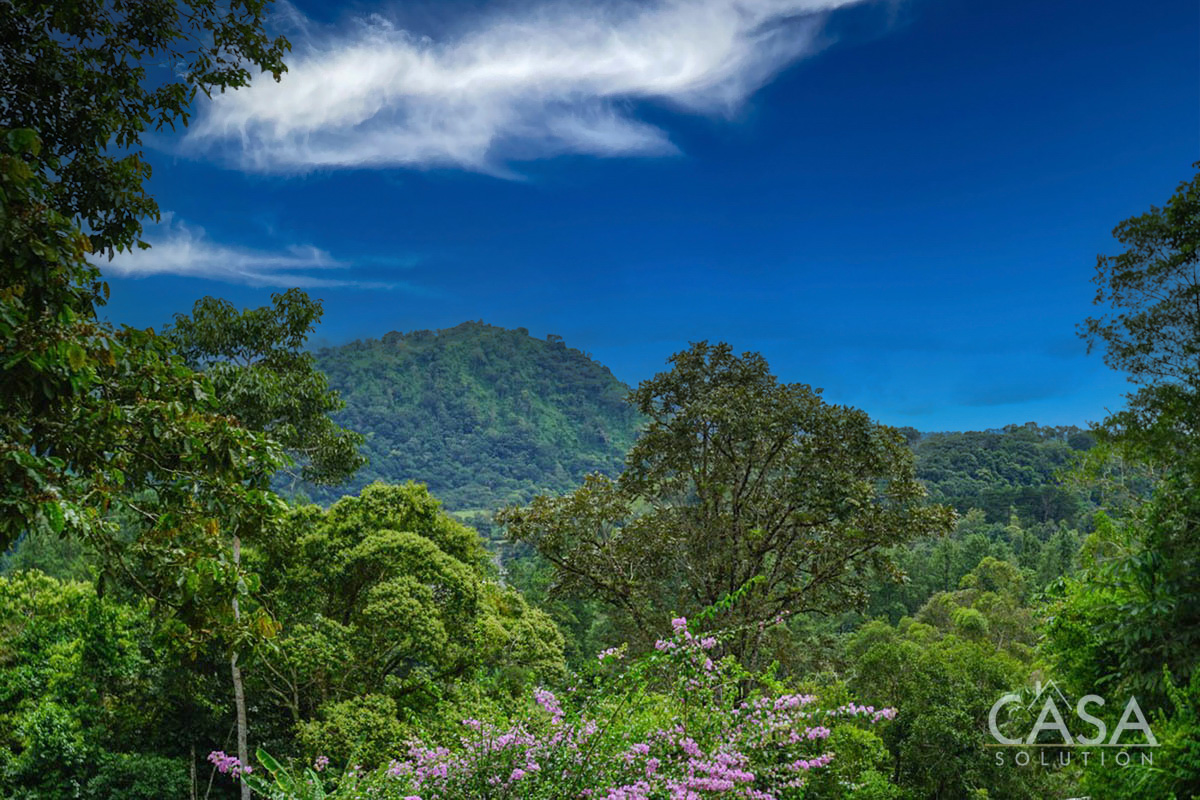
[(386, 595), (90, 77), (1151, 329), (256, 361), (737, 481)]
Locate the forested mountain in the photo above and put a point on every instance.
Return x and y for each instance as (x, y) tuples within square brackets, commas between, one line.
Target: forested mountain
[(488, 416), (998, 471), (485, 416), (765, 605)]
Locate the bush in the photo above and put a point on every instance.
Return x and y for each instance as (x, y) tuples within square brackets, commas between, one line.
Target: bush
[(675, 723), (122, 776), (363, 730)]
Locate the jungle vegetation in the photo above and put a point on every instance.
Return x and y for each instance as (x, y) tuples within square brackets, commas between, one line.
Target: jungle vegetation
[(715, 584)]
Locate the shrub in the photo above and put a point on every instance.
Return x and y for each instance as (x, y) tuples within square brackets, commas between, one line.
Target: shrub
[(678, 722)]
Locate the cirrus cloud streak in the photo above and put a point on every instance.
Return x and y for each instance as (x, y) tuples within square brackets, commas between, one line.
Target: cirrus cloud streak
[(180, 249), (526, 83)]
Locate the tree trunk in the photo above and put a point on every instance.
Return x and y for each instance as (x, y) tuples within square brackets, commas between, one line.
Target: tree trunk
[(239, 693)]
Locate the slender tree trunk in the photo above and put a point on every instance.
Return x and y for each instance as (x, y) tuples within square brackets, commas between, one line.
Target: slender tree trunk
[(193, 771), (239, 692)]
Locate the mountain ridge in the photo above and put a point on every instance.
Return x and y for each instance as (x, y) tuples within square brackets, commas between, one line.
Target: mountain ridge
[(484, 415), (487, 416)]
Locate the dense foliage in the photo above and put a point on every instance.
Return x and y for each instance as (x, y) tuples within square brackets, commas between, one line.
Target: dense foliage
[(945, 667), (390, 613), (482, 415), (737, 481), (161, 604), (1017, 468), (94, 702), (90, 77)]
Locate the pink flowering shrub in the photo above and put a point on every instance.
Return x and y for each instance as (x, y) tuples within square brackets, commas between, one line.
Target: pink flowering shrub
[(228, 765), (677, 724)]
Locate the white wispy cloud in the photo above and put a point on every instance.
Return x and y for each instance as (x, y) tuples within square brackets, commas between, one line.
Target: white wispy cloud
[(180, 249), (523, 82)]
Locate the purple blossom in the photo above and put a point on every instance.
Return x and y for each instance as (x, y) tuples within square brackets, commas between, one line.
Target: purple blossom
[(710, 746)]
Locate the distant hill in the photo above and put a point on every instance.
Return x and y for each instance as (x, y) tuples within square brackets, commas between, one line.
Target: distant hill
[(998, 471), (484, 415), (488, 416)]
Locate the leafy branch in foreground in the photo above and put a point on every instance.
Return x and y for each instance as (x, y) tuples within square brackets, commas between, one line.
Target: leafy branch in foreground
[(91, 76), (105, 433)]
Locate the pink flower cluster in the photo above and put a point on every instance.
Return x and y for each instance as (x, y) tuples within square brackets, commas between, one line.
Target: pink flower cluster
[(612, 652), (546, 699), (228, 765), (852, 710), (712, 747)]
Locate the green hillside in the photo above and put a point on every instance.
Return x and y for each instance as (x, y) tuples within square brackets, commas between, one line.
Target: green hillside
[(484, 415), (998, 471), (488, 416)]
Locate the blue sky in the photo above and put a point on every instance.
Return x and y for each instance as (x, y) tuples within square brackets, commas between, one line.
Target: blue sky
[(900, 202)]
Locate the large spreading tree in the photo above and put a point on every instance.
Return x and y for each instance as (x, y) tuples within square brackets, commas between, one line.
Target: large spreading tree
[(106, 432), (739, 483), (92, 414)]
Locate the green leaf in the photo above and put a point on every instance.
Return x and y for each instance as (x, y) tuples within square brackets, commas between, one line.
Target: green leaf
[(52, 513), (314, 781), (76, 357), (268, 761)]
